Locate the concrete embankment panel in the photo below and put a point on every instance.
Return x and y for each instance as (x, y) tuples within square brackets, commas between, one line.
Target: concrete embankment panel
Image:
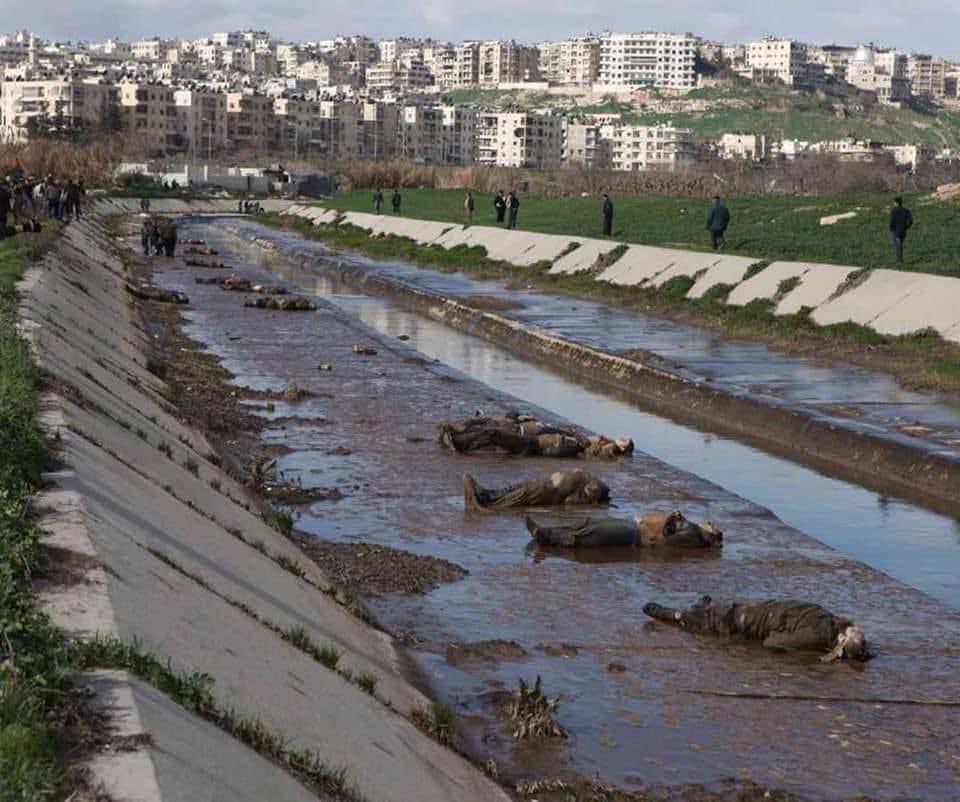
[(725, 270), (638, 265), (881, 291), (584, 257), (172, 569)]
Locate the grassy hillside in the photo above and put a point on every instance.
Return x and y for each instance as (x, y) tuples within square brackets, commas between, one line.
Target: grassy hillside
[(768, 227)]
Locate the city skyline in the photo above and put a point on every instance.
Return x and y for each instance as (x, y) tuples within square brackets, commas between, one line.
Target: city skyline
[(926, 26)]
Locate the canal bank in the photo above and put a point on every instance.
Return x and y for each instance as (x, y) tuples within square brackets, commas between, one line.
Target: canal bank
[(573, 619)]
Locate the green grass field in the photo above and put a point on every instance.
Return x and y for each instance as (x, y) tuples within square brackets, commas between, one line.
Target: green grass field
[(768, 227)]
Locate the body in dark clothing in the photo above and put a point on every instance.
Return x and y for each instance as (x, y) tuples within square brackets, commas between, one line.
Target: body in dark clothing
[(500, 206), (5, 199), (901, 221), (563, 487), (780, 625), (657, 529), (395, 200), (607, 216), (718, 219), (168, 237), (513, 208)]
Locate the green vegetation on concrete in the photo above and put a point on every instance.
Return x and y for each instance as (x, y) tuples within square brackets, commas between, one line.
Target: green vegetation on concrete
[(922, 360), (770, 227)]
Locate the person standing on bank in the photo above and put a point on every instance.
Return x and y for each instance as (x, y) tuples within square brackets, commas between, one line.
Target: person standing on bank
[(901, 220), (396, 200), (513, 207), (607, 215), (718, 218), (377, 200), (500, 205), (468, 207)]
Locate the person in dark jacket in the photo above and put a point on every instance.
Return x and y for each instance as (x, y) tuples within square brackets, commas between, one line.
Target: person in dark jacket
[(5, 201), (147, 231), (901, 220), (168, 236), (718, 219), (787, 626), (396, 200), (500, 205), (607, 215), (377, 200), (654, 530), (562, 487), (513, 207)]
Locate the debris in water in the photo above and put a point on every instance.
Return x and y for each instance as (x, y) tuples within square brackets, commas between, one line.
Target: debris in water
[(533, 713), (365, 350)]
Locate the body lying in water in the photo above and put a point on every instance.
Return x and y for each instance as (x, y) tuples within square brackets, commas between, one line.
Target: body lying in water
[(527, 436), (781, 625), (657, 529), (562, 487)]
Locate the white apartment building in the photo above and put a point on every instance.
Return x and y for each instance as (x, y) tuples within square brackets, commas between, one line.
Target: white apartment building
[(519, 139), (658, 147), (575, 62), (405, 74), (585, 145), (927, 75), (453, 66), (881, 72), (228, 39), (660, 60), (150, 115), (749, 147), (506, 62), (784, 59), (27, 103), (148, 49), (392, 49)]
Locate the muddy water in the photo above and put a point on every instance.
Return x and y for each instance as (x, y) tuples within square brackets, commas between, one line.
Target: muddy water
[(645, 724), (871, 528)]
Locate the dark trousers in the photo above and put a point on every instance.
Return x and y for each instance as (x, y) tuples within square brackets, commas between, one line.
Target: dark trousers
[(500, 214), (717, 239), (898, 245), (512, 222), (607, 225), (53, 205)]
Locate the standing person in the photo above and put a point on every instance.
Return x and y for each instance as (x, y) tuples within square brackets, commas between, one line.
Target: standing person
[(901, 220), (377, 200), (607, 215), (144, 205), (52, 194), (396, 200), (718, 218), (500, 205), (168, 236), (62, 203), (146, 236), (513, 207), (5, 199), (73, 198), (468, 207)]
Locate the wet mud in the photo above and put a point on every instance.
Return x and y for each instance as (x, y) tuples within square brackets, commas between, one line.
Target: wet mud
[(639, 726)]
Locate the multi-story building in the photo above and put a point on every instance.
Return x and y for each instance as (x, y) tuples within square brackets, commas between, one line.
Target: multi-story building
[(377, 135), (506, 62), (201, 120), (149, 49), (150, 115), (420, 135), (392, 49), (250, 122), (459, 135), (519, 139), (784, 59), (883, 73), (575, 62), (407, 74), (584, 145), (657, 147), (660, 60), (229, 39), (749, 147), (927, 76), (24, 105), (834, 59)]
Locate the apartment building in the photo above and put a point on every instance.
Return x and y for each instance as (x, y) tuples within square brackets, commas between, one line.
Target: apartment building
[(392, 49), (150, 115), (506, 62), (75, 103), (251, 124), (659, 60), (575, 62), (927, 76), (408, 74), (453, 66), (201, 121), (783, 59), (377, 130), (459, 135), (420, 135), (658, 147), (883, 72), (585, 146), (148, 49), (519, 139), (748, 147)]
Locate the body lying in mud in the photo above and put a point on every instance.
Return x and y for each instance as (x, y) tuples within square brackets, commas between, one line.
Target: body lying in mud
[(527, 436), (790, 626), (562, 487), (209, 263), (654, 530), (290, 304)]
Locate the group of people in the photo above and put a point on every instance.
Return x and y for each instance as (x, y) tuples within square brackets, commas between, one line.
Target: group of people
[(24, 201), (158, 235), (506, 206), (781, 625)]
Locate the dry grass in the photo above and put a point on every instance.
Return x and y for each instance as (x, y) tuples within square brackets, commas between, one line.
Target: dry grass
[(42, 157)]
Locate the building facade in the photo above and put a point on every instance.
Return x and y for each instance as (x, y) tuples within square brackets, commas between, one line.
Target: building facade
[(659, 60), (658, 147), (575, 62)]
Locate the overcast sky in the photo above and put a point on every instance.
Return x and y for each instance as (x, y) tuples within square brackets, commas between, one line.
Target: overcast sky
[(931, 26)]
